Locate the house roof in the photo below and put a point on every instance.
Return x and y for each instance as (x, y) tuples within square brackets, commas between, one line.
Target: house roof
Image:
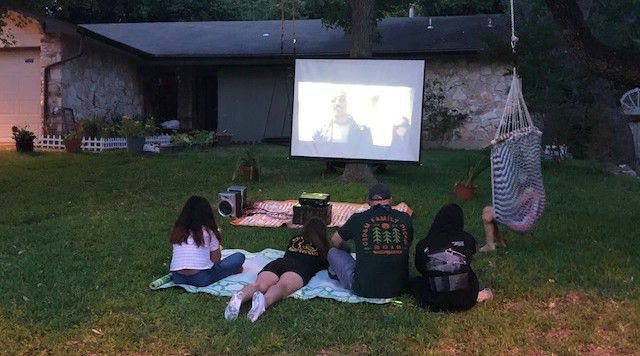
[(233, 39)]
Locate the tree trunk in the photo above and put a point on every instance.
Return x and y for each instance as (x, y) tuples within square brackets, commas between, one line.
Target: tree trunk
[(362, 26), (619, 65)]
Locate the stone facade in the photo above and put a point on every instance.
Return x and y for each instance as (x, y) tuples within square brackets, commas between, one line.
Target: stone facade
[(474, 87), (102, 82)]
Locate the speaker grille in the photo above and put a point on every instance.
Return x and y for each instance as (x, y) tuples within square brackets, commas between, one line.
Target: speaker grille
[(225, 208)]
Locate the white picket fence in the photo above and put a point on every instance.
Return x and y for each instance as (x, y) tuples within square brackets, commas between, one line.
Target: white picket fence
[(55, 142)]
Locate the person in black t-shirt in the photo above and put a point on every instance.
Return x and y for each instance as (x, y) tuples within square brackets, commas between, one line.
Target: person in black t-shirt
[(305, 256), (382, 237), (444, 258)]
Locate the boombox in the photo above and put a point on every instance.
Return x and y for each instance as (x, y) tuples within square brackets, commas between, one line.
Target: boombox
[(232, 201)]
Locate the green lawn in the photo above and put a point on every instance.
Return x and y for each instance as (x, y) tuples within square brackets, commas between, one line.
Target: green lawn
[(81, 236)]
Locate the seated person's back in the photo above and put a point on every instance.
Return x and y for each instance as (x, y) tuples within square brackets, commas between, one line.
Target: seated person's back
[(443, 258), (382, 237)]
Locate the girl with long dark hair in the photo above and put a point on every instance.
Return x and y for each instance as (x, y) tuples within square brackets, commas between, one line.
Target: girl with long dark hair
[(305, 256), (196, 247), (444, 258)]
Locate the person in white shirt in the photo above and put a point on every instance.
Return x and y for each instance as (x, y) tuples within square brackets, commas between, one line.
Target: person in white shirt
[(196, 240)]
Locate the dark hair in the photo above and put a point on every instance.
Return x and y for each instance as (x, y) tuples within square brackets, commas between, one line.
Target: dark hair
[(315, 233), (196, 213)]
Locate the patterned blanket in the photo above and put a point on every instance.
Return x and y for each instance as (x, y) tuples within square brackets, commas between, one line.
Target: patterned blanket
[(273, 213), (320, 285)]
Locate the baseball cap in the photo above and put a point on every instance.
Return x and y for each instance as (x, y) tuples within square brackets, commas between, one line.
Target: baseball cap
[(379, 191)]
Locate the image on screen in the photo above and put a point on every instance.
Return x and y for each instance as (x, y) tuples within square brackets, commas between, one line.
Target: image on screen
[(357, 109)]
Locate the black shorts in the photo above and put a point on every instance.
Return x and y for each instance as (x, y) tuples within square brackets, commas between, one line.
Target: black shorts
[(288, 264)]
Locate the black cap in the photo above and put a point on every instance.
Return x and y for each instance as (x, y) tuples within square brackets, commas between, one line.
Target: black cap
[(379, 191)]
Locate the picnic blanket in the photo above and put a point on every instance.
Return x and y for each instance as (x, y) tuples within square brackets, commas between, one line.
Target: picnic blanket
[(320, 285), (274, 213)]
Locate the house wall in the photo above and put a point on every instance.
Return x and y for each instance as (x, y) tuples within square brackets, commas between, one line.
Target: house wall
[(103, 82), (254, 102), (472, 86)]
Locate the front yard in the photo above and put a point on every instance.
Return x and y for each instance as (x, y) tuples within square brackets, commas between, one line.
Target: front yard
[(81, 236)]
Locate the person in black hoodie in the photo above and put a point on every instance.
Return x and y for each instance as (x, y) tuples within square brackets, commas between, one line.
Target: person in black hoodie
[(444, 258)]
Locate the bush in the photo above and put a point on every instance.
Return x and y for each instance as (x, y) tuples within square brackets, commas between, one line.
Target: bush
[(21, 135), (440, 121), (132, 127)]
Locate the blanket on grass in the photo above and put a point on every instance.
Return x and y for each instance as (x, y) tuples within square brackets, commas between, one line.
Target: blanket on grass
[(273, 213), (320, 285)]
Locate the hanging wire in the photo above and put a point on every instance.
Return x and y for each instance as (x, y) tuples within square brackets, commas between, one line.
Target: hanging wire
[(281, 26), (293, 23), (514, 38)]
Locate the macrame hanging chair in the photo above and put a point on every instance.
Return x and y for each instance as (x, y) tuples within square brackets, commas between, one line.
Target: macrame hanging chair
[(516, 170)]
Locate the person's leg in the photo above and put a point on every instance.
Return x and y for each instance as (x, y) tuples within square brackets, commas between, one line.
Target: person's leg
[(265, 280), (289, 282), (342, 264), (491, 232), (485, 295)]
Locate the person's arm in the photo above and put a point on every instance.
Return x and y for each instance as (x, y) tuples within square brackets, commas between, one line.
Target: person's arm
[(215, 254), (338, 242)]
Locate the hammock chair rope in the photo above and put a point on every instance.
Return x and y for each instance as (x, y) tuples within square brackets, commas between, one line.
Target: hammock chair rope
[(516, 171)]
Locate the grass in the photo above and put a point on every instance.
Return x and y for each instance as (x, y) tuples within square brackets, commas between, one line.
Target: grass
[(81, 236)]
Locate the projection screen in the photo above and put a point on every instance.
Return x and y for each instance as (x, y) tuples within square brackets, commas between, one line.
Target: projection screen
[(357, 109)]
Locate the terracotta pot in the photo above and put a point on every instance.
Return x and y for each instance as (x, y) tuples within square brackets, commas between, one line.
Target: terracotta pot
[(250, 173), (135, 144), (463, 191), (24, 146), (224, 139), (73, 146)]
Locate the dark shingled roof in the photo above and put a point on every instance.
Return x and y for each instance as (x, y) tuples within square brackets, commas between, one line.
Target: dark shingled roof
[(224, 39)]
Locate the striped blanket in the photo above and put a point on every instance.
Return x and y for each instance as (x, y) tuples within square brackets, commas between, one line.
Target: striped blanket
[(273, 213)]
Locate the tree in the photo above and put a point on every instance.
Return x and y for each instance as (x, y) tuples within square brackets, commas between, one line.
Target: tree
[(362, 30), (603, 60)]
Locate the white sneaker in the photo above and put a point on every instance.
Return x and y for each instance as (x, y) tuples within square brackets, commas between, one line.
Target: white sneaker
[(257, 306), (233, 308)]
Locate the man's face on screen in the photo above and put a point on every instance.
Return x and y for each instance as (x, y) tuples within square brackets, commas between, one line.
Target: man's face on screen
[(340, 109)]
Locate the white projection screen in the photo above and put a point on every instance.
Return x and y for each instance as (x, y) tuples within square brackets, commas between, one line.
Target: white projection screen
[(358, 109)]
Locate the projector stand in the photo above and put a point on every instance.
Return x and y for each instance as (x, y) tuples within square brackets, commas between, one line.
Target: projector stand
[(358, 173)]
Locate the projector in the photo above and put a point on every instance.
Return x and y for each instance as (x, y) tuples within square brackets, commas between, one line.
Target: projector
[(232, 201)]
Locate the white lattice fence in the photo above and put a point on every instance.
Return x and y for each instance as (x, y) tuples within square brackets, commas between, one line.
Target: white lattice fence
[(55, 142)]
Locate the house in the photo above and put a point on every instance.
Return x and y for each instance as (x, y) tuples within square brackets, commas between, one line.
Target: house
[(234, 76)]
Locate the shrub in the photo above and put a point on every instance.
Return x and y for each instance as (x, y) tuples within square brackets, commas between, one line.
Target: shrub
[(131, 127), (440, 121), (22, 135)]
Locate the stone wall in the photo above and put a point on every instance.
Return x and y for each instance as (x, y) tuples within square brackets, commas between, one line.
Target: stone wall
[(103, 82), (475, 87)]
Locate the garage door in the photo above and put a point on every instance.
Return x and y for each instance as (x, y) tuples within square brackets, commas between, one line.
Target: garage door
[(19, 91)]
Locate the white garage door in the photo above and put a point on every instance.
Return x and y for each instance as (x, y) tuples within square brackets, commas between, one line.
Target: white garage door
[(19, 91)]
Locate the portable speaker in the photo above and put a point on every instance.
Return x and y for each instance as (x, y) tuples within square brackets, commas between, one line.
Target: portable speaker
[(230, 204), (243, 194)]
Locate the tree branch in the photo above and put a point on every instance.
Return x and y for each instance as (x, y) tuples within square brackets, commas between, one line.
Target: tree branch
[(619, 65)]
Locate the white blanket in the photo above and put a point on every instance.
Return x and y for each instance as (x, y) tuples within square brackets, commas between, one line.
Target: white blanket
[(319, 286)]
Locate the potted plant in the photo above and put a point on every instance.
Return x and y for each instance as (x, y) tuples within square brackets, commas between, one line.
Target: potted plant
[(73, 141), (135, 132), (248, 166), (466, 188), (203, 138), (24, 139), (224, 138)]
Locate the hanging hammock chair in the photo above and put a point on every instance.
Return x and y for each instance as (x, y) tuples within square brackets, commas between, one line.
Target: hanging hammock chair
[(516, 170)]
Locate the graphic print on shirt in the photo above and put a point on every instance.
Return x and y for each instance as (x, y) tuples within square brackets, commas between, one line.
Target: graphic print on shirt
[(385, 235), (299, 245)]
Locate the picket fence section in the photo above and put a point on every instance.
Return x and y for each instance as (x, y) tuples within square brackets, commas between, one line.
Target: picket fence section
[(94, 144)]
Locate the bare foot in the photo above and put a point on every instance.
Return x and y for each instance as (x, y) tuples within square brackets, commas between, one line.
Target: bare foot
[(484, 295), (239, 270), (487, 248)]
